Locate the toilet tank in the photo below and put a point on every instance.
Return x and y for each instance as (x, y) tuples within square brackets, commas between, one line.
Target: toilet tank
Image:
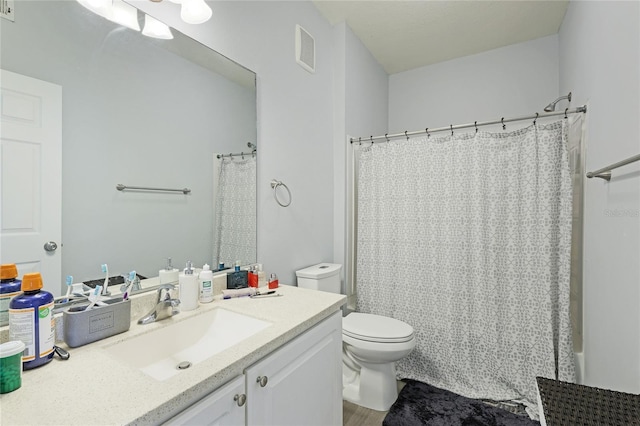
[(323, 277)]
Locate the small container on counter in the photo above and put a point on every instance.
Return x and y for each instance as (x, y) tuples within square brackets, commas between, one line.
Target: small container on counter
[(273, 281), (252, 277), (205, 284), (189, 292), (11, 366)]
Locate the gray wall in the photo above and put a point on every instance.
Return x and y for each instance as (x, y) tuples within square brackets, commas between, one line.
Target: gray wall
[(513, 80), (295, 121), (600, 63), (136, 114)]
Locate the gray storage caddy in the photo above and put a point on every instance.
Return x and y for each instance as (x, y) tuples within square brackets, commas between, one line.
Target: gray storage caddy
[(82, 327)]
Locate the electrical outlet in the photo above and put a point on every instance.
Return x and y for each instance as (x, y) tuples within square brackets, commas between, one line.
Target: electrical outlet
[(7, 9)]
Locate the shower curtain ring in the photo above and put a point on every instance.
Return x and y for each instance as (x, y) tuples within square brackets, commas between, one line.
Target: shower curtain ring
[(427, 130), (504, 126), (565, 112), (451, 127), (405, 133), (371, 136), (360, 141), (386, 137), (535, 119), (475, 123)]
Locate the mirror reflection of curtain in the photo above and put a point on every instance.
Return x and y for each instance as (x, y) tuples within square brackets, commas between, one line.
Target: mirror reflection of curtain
[(235, 206)]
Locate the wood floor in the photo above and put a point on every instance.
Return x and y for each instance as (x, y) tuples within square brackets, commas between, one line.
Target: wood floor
[(355, 415)]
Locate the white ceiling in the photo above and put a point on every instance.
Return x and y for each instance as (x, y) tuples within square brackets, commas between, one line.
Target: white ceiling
[(403, 35)]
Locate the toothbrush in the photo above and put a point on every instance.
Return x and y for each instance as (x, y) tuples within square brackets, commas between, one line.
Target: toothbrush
[(94, 297), (69, 284), (132, 277), (105, 269)]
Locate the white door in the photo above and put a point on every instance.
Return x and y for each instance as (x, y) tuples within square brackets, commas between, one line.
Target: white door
[(31, 177), (299, 384), (223, 407)]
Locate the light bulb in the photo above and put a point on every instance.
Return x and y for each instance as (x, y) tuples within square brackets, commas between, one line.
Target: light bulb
[(125, 15), (156, 29), (195, 11)]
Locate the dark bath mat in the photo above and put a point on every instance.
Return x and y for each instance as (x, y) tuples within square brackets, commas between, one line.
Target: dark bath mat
[(423, 404)]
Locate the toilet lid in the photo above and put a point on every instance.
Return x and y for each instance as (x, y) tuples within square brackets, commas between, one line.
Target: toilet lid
[(376, 328)]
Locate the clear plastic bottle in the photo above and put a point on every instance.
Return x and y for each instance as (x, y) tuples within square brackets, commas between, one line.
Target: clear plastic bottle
[(205, 284)]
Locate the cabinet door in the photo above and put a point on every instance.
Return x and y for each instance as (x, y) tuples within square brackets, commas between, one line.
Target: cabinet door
[(224, 406), (300, 383)]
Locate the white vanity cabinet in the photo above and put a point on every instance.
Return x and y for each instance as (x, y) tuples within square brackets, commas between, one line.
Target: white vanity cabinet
[(298, 384), (223, 407)]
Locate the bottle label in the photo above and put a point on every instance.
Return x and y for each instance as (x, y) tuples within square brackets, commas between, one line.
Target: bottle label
[(206, 291), (47, 329), (5, 298), (22, 327)]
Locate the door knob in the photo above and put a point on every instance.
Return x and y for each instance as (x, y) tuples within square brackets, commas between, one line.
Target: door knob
[(240, 399), (50, 246), (262, 380)]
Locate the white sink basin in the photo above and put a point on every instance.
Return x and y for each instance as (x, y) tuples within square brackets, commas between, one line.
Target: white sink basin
[(158, 353)]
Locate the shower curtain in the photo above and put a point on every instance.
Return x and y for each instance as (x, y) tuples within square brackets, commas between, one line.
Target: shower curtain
[(468, 239), (235, 211)]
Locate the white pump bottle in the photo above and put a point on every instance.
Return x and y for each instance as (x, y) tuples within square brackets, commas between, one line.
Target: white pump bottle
[(188, 283)]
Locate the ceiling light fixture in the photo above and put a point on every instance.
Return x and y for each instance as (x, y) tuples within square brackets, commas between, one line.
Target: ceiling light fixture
[(191, 12)]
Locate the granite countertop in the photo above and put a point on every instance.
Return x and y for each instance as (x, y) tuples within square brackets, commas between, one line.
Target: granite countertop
[(93, 388)]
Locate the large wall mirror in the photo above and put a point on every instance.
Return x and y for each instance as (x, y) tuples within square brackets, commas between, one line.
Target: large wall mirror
[(144, 112)]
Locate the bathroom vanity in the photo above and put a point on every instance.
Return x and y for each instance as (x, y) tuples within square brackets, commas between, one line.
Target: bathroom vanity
[(287, 373)]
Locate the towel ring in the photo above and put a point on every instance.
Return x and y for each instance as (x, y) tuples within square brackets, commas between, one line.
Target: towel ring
[(275, 184)]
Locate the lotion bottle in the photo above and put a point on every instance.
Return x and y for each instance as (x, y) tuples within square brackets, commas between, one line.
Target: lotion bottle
[(188, 283), (205, 284)]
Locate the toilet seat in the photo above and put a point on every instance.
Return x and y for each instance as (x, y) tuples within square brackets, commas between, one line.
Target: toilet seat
[(376, 328)]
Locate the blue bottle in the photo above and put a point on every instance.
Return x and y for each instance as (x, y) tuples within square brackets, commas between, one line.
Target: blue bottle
[(9, 288), (31, 321)]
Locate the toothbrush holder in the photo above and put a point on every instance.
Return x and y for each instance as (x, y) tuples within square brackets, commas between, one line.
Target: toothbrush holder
[(81, 326)]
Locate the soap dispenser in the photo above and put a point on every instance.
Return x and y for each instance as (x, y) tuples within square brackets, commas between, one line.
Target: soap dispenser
[(169, 274), (189, 291)]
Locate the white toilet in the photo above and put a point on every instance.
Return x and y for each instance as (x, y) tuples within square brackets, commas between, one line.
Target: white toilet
[(371, 344)]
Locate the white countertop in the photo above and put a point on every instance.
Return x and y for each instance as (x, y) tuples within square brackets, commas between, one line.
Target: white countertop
[(93, 388)]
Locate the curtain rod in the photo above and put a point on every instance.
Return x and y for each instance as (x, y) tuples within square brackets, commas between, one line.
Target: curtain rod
[(237, 154), (451, 128)]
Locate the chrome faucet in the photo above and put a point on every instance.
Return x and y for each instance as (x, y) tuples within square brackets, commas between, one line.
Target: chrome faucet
[(165, 306)]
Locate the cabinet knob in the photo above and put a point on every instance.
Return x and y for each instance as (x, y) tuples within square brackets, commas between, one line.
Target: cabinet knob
[(262, 380), (240, 399)]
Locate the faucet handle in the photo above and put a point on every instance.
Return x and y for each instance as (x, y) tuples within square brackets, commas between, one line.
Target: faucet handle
[(168, 288)]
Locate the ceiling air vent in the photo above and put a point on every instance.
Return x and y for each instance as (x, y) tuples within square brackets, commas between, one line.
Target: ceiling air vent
[(305, 50)]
